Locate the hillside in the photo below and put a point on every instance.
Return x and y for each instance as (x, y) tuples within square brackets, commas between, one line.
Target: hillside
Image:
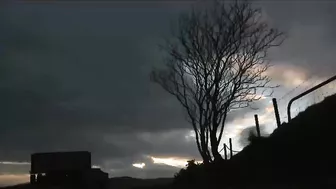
[(128, 182), (300, 151)]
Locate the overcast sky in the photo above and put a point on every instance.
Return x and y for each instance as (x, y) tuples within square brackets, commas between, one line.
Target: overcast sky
[(74, 76)]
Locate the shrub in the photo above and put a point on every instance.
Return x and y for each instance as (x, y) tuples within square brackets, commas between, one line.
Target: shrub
[(193, 174)]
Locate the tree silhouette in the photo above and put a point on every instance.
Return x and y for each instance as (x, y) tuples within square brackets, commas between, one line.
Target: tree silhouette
[(215, 63)]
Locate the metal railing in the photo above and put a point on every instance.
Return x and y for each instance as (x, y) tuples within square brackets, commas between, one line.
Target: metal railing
[(305, 93)]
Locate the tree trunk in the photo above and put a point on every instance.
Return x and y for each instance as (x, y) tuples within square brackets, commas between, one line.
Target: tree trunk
[(204, 156), (214, 149), (203, 150), (215, 153)]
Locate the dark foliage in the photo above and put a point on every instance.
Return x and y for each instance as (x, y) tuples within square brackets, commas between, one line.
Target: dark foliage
[(190, 174), (199, 175)]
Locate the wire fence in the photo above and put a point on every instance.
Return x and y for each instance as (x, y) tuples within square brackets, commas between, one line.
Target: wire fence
[(300, 104), (304, 102)]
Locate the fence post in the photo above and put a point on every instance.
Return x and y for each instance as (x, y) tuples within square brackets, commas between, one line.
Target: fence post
[(257, 124), (276, 112), (225, 152), (231, 150)]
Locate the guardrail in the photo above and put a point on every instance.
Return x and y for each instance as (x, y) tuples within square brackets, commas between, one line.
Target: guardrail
[(305, 93)]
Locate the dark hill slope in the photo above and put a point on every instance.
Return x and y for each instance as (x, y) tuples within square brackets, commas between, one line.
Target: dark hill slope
[(299, 150)]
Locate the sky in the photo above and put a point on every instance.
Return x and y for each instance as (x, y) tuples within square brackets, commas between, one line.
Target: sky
[(74, 76)]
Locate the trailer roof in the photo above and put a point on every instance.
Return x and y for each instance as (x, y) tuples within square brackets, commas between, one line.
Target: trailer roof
[(62, 152)]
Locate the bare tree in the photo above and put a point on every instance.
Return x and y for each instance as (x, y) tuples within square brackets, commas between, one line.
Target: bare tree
[(216, 63)]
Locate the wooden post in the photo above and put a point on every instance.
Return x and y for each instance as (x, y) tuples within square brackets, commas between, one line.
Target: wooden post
[(257, 124), (276, 112), (231, 150), (225, 152)]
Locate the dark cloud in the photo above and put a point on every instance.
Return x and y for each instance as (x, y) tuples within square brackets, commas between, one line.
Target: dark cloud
[(77, 79), (310, 35)]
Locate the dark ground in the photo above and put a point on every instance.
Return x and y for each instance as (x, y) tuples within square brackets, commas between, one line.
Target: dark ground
[(114, 183)]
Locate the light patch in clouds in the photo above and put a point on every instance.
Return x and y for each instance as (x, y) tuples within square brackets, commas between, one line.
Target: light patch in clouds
[(292, 76), (258, 96), (287, 74), (269, 109), (139, 165), (238, 125), (96, 166), (172, 161), (14, 163), (190, 136), (10, 179)]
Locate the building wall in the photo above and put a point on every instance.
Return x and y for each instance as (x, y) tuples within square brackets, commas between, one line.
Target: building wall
[(60, 161)]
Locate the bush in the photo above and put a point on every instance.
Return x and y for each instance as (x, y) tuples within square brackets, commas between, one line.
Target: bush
[(199, 175), (195, 175), (190, 174)]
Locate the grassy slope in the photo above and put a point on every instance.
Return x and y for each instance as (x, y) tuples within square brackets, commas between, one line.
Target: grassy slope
[(299, 150)]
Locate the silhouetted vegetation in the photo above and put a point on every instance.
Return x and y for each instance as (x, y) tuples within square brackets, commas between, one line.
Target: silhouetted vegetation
[(192, 175)]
